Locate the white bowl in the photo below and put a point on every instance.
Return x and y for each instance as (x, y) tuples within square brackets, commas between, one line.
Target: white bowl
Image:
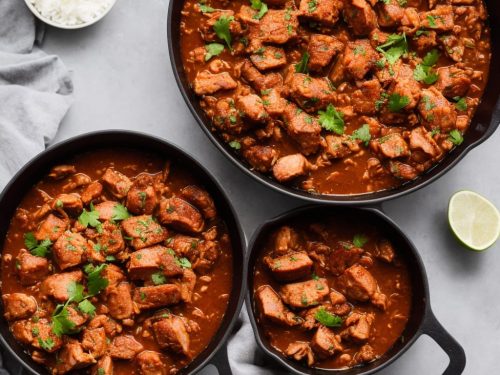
[(69, 27)]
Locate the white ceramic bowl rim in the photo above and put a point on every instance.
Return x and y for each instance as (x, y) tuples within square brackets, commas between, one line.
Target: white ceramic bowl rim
[(48, 21)]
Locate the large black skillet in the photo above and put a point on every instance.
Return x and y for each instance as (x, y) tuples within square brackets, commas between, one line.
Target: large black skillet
[(482, 127), (40, 166), (421, 321)]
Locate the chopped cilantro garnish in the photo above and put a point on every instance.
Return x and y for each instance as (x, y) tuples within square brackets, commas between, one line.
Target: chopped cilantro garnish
[(398, 102), (120, 212), (95, 282), (91, 218), (39, 249), (327, 319), (362, 134), (395, 47), (359, 240), (261, 7), (461, 103), (46, 344), (213, 49), (424, 72), (158, 278), (235, 144), (86, 307), (205, 8), (456, 137), (301, 67), (332, 120), (183, 262), (221, 28)]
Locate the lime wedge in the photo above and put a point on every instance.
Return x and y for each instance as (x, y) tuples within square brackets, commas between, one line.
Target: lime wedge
[(474, 220)]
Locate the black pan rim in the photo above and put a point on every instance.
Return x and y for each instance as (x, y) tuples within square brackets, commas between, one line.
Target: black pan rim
[(176, 149)]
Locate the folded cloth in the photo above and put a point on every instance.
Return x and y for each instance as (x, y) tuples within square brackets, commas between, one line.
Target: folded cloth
[(35, 89)]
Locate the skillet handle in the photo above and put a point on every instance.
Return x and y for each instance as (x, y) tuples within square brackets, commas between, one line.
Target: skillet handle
[(453, 349), (221, 361)]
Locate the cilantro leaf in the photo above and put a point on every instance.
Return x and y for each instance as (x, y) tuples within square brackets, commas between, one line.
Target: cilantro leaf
[(221, 28), (183, 262), (461, 103), (424, 72), (158, 278), (75, 292), (456, 137), (432, 21), (91, 218), (327, 319), (332, 120), (213, 49), (205, 8), (398, 102), (235, 144), (363, 134), (301, 67), (46, 344), (95, 282), (120, 212), (38, 249), (30, 240), (61, 325), (86, 307), (431, 58), (395, 47), (261, 7), (359, 240)]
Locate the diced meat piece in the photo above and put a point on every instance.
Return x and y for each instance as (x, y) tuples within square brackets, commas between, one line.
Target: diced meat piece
[(340, 306), (425, 41), (439, 19), (273, 102), (291, 166), (421, 139), (227, 119), (360, 285), (119, 301), (360, 16), (286, 239), (144, 231), (149, 297), (385, 251), (106, 210), (391, 146), (94, 341), (405, 85), (113, 274), (72, 357), (309, 93), (366, 354), (70, 249), (258, 80), (339, 146), (268, 57), (271, 307), (359, 58), (204, 255), (358, 327), (77, 317), (187, 284), (304, 129), (104, 366), (322, 49), (390, 13), (436, 111), (110, 240), (206, 27), (70, 203), (276, 27), (251, 108), (117, 183), (141, 198), (324, 11), (306, 293), (454, 47), (143, 263), (289, 267), (366, 97), (51, 228), (181, 215), (299, 351), (31, 333), (343, 257), (125, 347), (171, 333), (261, 158), (62, 171), (201, 199), (91, 192), (207, 83), (30, 268), (453, 82), (111, 327), (18, 306), (184, 246), (402, 170), (150, 363), (56, 285), (325, 343)]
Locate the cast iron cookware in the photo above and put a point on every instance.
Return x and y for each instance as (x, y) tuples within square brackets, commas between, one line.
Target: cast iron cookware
[(421, 320), (38, 167), (483, 125)]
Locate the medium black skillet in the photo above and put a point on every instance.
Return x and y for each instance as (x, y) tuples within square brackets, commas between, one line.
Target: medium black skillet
[(421, 321), (482, 127), (38, 167)]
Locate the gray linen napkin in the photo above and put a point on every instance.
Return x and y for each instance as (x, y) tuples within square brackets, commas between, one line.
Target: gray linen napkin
[(35, 89)]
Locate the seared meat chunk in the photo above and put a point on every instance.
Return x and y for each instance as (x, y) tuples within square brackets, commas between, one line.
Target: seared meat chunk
[(271, 306), (141, 198), (106, 210), (453, 47), (206, 27), (324, 11), (360, 16), (94, 341), (436, 111), (300, 350), (72, 357), (119, 300), (251, 108), (402, 170), (109, 240), (181, 215), (62, 171), (274, 103), (291, 166), (91, 192), (322, 49), (113, 274), (117, 183), (125, 347), (339, 303), (171, 333), (385, 251), (405, 85), (440, 19), (31, 333), (104, 366), (150, 363), (207, 83), (18, 306), (366, 354), (268, 57), (359, 58), (339, 146), (56, 285), (302, 128), (358, 327), (421, 140), (149, 297), (325, 343), (453, 82), (289, 267), (366, 97), (285, 241), (143, 263), (201, 199), (111, 327), (306, 293), (144, 231), (276, 27), (390, 13), (309, 93), (30, 268), (51, 228), (70, 203), (258, 80), (261, 158), (360, 285), (343, 257), (70, 249), (186, 285), (391, 146)]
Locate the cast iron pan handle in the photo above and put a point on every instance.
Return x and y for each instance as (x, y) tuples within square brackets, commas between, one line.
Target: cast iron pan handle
[(221, 361), (452, 348)]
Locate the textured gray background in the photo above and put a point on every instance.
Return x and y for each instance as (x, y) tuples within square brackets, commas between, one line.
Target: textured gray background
[(123, 79)]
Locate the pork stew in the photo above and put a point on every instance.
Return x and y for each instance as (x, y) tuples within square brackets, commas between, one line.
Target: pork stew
[(116, 263), (338, 96), (331, 293)]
